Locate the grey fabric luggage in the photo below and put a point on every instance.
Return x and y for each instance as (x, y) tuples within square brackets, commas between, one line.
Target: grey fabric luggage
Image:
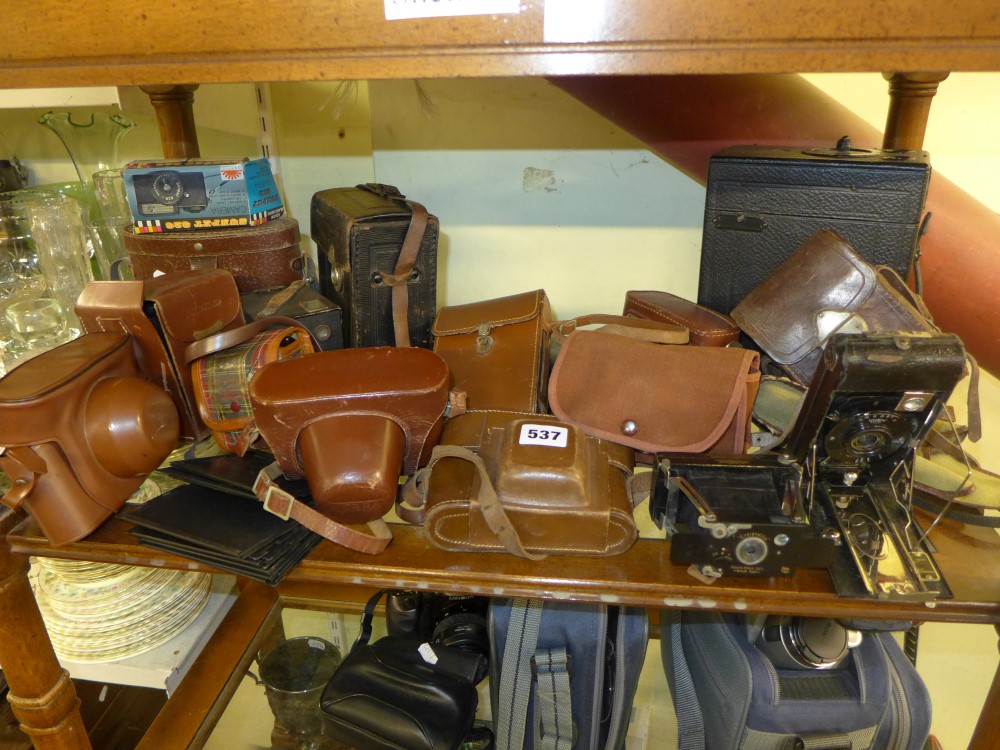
[(564, 675), (730, 695)]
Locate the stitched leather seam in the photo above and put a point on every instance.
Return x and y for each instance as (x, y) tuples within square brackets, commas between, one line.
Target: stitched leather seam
[(436, 517), (687, 322)]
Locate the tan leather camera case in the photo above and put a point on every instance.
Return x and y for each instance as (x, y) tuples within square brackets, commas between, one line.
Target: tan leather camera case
[(351, 421), (80, 430)]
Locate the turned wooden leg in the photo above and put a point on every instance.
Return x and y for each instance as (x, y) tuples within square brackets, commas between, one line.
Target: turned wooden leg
[(174, 106), (41, 694), (910, 96)]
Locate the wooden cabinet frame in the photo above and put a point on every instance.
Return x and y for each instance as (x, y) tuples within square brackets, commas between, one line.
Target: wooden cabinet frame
[(168, 50)]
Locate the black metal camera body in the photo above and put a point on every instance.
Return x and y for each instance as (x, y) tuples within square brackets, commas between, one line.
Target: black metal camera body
[(458, 621), (836, 492), (166, 191)]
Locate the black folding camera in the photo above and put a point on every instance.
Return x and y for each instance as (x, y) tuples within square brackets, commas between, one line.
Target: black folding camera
[(166, 191), (837, 491)]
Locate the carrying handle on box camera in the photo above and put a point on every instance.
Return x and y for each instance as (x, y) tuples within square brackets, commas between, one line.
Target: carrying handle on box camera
[(402, 274)]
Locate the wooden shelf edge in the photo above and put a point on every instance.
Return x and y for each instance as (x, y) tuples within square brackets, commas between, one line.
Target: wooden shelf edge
[(642, 576), (624, 58)]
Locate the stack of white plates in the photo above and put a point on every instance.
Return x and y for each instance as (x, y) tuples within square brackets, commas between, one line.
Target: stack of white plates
[(96, 612)]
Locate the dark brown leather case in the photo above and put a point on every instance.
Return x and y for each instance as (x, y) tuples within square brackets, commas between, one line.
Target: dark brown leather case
[(705, 327), (259, 257), (359, 233)]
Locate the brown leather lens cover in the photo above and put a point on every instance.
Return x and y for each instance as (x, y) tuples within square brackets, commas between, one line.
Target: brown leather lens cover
[(352, 463)]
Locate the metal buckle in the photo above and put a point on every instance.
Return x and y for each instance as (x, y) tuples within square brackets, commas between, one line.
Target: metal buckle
[(278, 502)]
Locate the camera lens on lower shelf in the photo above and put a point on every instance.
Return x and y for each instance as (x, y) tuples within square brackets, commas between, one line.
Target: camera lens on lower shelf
[(806, 642)]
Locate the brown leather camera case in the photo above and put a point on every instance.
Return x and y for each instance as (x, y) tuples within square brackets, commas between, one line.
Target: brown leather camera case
[(823, 288), (165, 315), (498, 350), (351, 421), (259, 257), (80, 430), (562, 500), (706, 327)]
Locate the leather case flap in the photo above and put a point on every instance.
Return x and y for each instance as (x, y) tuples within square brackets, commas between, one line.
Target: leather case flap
[(497, 350), (118, 306), (807, 298), (407, 385), (653, 397), (562, 496), (272, 235), (502, 311), (706, 327), (190, 305)]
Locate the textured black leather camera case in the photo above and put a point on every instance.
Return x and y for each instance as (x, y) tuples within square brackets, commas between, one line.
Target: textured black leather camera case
[(322, 317), (763, 202), (359, 232)]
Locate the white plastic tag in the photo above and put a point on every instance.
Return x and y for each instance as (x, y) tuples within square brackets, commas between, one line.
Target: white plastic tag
[(427, 653), (544, 434)]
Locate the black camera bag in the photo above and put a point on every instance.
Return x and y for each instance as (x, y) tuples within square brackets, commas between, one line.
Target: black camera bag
[(401, 693)]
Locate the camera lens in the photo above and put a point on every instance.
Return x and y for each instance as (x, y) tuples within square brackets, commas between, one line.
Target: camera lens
[(461, 624), (805, 642)]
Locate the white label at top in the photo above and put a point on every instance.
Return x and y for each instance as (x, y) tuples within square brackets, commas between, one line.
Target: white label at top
[(544, 434), (399, 9)]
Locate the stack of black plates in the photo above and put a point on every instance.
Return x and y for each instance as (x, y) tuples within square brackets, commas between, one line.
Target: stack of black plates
[(217, 520)]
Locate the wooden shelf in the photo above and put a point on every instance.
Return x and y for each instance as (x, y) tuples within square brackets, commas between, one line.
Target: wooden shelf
[(126, 43), (119, 42), (644, 575)]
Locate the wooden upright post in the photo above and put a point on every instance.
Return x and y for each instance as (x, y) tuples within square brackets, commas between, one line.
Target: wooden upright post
[(41, 694), (910, 96), (174, 106)]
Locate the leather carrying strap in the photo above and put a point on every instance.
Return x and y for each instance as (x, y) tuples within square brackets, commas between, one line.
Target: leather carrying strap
[(283, 505), (492, 510), (636, 328), (400, 277), (226, 339)]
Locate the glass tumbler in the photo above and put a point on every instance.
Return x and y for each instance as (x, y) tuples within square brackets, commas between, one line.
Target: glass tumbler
[(35, 325), (63, 246)]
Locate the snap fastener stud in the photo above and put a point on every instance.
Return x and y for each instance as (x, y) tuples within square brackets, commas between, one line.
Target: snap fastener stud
[(629, 427)]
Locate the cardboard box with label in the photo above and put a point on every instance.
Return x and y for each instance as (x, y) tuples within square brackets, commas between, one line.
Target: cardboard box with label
[(167, 196)]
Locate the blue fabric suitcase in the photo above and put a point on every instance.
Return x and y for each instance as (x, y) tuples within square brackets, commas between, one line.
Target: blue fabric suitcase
[(563, 675), (729, 695)]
